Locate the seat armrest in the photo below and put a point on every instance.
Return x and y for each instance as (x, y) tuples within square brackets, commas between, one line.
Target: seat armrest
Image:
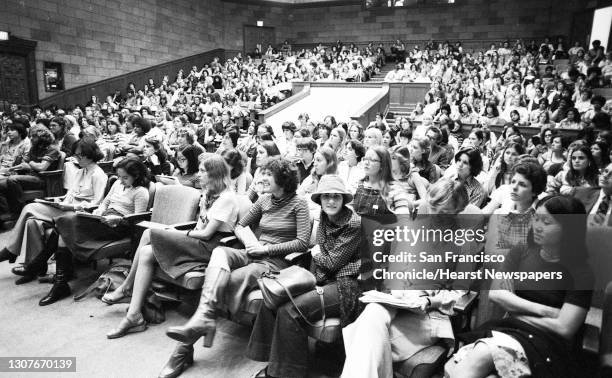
[(465, 303), (295, 256), (61, 198), (228, 239), (184, 225), (51, 173), (137, 217)]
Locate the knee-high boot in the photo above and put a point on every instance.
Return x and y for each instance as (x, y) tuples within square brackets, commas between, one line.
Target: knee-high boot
[(203, 322), (60, 289)]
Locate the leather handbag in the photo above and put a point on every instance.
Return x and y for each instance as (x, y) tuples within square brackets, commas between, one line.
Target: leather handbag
[(278, 287)]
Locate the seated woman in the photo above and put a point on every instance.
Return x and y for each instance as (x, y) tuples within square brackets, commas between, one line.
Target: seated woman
[(43, 156), (82, 237), (501, 172), (280, 336), (229, 141), (582, 173), (419, 152), (325, 162), (231, 274), (382, 335), (177, 252), (14, 148), (155, 157), (537, 338), (265, 150), (36, 219), (239, 177), (469, 165), (510, 223), (403, 173), (186, 171), (378, 193), (555, 154), (350, 169)]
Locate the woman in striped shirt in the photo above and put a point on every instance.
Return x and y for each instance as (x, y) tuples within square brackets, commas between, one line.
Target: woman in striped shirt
[(231, 274)]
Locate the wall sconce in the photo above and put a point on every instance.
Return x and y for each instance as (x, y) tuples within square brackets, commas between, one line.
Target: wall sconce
[(260, 23), (4, 36)]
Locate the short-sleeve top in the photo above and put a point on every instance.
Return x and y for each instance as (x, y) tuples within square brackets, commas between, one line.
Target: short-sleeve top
[(223, 209), (551, 293), (50, 154)]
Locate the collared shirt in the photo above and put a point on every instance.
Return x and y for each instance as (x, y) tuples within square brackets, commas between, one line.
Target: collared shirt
[(88, 188), (339, 243), (13, 154), (514, 227)]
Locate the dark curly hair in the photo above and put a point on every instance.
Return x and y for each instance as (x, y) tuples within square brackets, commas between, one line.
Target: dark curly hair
[(143, 123), (41, 138), (89, 148), (235, 161), (534, 173), (474, 158), (284, 172), (136, 169)]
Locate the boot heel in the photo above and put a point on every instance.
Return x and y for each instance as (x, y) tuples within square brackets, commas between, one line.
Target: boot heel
[(209, 338)]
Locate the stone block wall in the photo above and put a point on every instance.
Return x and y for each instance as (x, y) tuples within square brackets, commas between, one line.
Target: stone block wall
[(464, 20), (98, 39)]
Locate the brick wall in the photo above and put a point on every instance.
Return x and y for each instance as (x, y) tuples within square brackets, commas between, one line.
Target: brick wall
[(98, 39)]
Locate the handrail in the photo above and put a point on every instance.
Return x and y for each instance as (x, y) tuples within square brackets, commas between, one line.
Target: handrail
[(269, 112), (374, 101)]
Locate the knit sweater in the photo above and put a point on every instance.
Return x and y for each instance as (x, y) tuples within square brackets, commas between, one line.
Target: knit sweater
[(284, 223)]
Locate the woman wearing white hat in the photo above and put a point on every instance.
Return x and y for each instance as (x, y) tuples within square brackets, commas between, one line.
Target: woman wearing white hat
[(281, 337)]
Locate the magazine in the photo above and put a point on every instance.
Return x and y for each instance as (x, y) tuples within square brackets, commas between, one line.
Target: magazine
[(57, 205), (407, 302)]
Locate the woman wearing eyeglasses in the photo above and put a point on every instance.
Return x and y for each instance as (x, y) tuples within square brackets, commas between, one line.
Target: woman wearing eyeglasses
[(378, 193), (187, 166), (177, 252), (35, 229)]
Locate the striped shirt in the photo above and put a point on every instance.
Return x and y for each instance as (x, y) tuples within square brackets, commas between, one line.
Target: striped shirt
[(284, 223)]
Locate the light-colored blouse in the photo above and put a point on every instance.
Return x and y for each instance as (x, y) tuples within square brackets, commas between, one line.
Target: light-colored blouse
[(224, 209), (88, 187), (125, 200)]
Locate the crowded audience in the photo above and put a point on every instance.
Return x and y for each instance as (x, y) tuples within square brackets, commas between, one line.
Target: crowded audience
[(464, 148)]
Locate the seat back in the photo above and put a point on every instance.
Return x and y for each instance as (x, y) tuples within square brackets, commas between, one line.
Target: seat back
[(175, 204)]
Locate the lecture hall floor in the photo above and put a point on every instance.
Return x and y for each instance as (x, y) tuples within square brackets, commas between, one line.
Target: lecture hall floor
[(68, 328)]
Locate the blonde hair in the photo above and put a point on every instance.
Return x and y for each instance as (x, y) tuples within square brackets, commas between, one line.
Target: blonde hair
[(449, 195), (218, 174)]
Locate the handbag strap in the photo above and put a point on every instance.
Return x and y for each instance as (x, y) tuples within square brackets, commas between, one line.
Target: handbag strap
[(319, 291)]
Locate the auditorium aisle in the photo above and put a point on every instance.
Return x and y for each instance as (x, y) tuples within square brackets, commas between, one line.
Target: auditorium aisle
[(69, 328)]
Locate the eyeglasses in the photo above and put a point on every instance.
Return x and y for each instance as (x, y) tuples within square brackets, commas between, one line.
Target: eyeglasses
[(181, 159), (80, 156)]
